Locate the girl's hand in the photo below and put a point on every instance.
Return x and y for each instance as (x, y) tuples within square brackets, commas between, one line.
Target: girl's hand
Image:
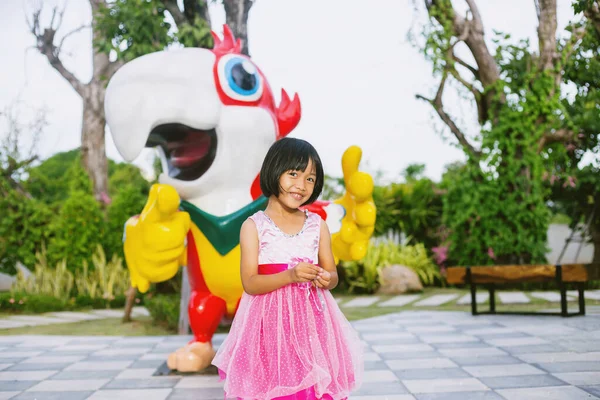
[(323, 279), (304, 272)]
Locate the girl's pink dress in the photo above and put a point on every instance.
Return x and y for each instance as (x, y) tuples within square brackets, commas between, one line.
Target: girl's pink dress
[(294, 342)]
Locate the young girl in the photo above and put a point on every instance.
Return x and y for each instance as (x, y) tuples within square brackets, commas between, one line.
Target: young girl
[(289, 340)]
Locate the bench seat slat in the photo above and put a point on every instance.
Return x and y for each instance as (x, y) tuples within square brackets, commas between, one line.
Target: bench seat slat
[(518, 273)]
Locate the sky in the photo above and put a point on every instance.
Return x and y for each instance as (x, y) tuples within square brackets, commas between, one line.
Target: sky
[(350, 61)]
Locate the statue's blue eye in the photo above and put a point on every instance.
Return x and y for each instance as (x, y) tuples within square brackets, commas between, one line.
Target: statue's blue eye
[(239, 78), (242, 76)]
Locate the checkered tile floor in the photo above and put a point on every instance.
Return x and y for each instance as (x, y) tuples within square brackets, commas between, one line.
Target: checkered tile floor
[(410, 355)]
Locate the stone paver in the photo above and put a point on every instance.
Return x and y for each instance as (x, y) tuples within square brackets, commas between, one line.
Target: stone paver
[(418, 355), (588, 294), (480, 298), (550, 296), (436, 300), (361, 301), (65, 317), (513, 297), (400, 301)]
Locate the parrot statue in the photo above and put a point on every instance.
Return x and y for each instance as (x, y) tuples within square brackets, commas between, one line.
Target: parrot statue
[(211, 116)]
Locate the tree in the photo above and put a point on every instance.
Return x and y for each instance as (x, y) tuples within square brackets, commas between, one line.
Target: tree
[(496, 208), (576, 189), (93, 153), (132, 28), (127, 29)]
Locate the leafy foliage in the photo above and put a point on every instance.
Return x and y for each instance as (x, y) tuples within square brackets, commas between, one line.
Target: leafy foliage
[(364, 276), (23, 228), (132, 28), (413, 208), (106, 281), (495, 209), (164, 310)]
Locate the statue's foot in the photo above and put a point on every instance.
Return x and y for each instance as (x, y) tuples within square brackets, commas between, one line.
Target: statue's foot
[(193, 357)]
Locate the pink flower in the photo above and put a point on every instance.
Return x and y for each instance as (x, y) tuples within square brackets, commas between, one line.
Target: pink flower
[(571, 147), (569, 182), (105, 198), (440, 254), (491, 253), (545, 175), (12, 301)]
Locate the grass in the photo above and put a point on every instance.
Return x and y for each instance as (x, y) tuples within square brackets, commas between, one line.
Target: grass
[(560, 219), (144, 326)]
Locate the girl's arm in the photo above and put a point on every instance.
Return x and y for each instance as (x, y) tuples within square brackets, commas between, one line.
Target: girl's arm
[(326, 260), (256, 284)]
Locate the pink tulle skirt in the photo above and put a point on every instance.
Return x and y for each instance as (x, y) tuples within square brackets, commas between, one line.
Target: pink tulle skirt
[(292, 343)]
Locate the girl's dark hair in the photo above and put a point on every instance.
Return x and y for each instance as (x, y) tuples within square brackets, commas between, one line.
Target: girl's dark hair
[(289, 154)]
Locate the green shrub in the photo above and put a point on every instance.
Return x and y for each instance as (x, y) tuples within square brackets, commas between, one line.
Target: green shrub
[(23, 228), (164, 310), (106, 280), (55, 282), (127, 202), (102, 286), (18, 302), (363, 276), (77, 230)]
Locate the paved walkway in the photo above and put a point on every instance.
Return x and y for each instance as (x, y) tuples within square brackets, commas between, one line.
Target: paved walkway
[(423, 355), (422, 300), (65, 317), (414, 301)]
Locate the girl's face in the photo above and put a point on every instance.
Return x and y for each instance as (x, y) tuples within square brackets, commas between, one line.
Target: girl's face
[(296, 187)]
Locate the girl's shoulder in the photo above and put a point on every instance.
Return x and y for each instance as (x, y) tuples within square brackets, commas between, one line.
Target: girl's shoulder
[(259, 219)]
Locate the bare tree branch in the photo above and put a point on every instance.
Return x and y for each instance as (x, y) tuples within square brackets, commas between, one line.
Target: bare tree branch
[(439, 108), (472, 33), (62, 41), (45, 45), (113, 67), (478, 22), (473, 70)]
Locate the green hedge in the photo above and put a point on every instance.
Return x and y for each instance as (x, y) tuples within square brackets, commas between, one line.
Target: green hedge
[(164, 310), (15, 303)]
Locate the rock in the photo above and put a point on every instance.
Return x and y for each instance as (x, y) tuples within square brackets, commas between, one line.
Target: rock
[(6, 281), (23, 269), (397, 279)]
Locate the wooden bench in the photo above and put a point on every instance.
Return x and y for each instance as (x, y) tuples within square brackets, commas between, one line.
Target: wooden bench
[(491, 276)]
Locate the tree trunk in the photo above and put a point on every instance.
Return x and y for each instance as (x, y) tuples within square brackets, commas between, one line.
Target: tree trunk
[(130, 299), (237, 19), (93, 153)]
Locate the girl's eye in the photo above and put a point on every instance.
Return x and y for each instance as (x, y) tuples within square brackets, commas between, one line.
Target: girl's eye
[(292, 173), (311, 180)]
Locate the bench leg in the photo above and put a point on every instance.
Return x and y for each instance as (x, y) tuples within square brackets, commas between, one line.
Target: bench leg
[(563, 299), (580, 289), (473, 299), (492, 291)]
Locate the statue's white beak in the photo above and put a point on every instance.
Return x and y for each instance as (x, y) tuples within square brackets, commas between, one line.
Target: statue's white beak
[(160, 88)]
